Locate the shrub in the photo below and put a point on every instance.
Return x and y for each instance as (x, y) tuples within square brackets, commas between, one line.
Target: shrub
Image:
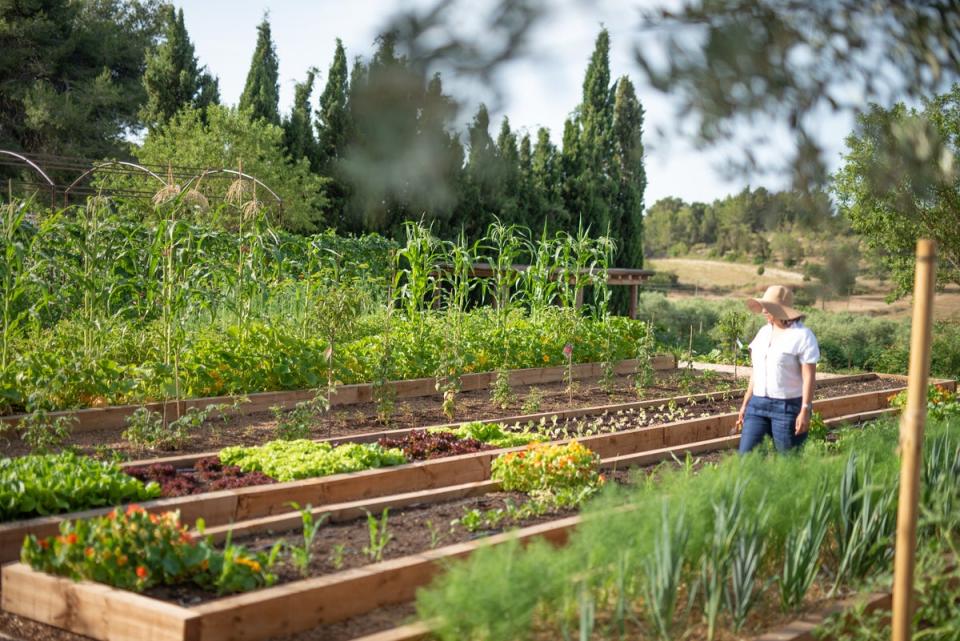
[(54, 483)]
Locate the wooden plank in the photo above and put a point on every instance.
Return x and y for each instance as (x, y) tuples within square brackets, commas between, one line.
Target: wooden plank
[(418, 631), (93, 609), (292, 520), (114, 417), (802, 629), (303, 605)]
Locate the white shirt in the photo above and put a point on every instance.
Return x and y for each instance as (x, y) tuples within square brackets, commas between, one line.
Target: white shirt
[(777, 359)]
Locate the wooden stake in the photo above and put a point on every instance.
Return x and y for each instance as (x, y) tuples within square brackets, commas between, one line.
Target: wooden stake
[(911, 439)]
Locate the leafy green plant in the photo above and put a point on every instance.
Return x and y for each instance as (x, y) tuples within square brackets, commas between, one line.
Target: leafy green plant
[(42, 433), (501, 394), (295, 424), (378, 535), (532, 401), (495, 434), (298, 459), (646, 346), (337, 552), (715, 562), (302, 555), (54, 483)]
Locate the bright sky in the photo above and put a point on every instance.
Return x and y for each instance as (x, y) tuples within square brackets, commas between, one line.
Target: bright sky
[(540, 89)]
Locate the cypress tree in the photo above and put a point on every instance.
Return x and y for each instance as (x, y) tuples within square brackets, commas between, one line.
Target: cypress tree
[(333, 116), (480, 201), (589, 189), (508, 174), (172, 79), (547, 175), (442, 159), (261, 94), (298, 127), (631, 175)]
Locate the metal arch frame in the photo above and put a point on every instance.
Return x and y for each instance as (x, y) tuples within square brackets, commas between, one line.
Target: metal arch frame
[(255, 180), (110, 163), (32, 164)]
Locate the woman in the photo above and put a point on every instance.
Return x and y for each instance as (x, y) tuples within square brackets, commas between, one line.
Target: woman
[(779, 398)]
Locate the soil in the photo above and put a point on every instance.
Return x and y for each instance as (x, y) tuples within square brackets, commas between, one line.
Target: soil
[(352, 420)]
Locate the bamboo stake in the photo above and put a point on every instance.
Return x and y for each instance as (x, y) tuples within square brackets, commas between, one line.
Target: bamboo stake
[(911, 439)]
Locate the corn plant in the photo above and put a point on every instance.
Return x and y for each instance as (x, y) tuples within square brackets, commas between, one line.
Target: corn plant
[(801, 559), (379, 536), (662, 574), (746, 556), (17, 271), (458, 282), (538, 282), (302, 555)]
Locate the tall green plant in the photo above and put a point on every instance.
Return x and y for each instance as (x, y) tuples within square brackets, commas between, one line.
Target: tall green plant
[(662, 573)]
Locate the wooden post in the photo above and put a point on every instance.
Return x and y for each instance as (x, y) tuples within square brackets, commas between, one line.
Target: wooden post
[(634, 290), (911, 439)]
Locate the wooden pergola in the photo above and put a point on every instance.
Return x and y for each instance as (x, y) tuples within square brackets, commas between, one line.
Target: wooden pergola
[(616, 277)]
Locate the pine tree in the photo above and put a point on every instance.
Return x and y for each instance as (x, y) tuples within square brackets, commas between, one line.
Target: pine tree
[(298, 136), (172, 79), (631, 175), (261, 94)]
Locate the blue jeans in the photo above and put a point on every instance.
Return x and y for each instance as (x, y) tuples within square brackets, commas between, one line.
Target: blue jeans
[(774, 416)]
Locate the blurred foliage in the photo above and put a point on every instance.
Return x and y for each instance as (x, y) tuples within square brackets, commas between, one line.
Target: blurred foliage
[(893, 197)]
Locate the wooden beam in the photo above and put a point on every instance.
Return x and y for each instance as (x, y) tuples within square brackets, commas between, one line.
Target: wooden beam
[(93, 609)]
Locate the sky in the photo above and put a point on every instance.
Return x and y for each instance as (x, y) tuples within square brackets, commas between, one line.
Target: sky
[(539, 89)]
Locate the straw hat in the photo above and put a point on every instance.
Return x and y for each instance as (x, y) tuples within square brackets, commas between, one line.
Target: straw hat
[(778, 301)]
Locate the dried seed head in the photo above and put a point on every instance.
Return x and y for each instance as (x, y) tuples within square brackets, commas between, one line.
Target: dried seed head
[(251, 208), (96, 202), (195, 199), (238, 191), (167, 193)]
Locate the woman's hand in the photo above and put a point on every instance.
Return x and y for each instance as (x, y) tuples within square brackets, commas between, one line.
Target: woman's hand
[(739, 425), (803, 422)]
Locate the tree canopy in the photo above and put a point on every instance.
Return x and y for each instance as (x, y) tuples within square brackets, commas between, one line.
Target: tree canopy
[(892, 198)]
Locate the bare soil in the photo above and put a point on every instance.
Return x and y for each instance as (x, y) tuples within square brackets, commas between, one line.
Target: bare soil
[(260, 427)]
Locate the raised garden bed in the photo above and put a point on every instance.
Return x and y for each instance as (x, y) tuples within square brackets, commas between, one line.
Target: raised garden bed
[(114, 417), (247, 503), (300, 605)]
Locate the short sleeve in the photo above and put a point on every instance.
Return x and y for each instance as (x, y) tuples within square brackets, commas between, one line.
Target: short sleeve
[(809, 352)]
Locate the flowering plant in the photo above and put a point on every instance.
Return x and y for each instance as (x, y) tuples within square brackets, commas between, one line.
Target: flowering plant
[(136, 550), (549, 467), (941, 402)]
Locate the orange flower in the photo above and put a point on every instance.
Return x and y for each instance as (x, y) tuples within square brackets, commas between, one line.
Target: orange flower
[(133, 508), (89, 552), (122, 560), (142, 572), (71, 538), (112, 515), (44, 543)]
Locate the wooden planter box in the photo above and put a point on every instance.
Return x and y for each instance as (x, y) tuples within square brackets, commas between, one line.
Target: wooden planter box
[(109, 614), (113, 417), (228, 506)]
